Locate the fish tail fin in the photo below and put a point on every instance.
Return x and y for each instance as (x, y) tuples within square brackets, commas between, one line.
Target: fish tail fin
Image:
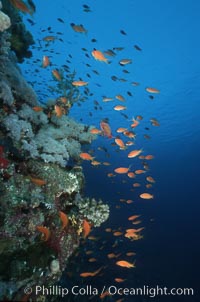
[(132, 119), (97, 271)]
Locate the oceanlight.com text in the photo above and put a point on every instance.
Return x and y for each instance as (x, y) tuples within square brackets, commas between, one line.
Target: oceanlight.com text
[(111, 290), (151, 291)]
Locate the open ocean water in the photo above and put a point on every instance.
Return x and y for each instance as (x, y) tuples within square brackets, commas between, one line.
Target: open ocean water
[(166, 33)]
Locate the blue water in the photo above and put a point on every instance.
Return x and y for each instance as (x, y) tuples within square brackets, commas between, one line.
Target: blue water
[(167, 32)]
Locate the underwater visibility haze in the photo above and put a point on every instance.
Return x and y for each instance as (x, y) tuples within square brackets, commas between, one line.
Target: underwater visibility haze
[(99, 150)]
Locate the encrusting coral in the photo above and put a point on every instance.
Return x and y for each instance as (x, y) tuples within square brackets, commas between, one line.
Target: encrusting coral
[(96, 212), (4, 20)]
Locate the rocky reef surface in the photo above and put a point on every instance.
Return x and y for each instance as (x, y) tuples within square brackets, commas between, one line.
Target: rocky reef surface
[(42, 210)]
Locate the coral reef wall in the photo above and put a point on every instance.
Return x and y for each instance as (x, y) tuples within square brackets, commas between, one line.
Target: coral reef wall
[(42, 210), (20, 38)]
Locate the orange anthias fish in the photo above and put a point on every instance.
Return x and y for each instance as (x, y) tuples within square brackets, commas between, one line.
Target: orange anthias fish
[(134, 153), (105, 163), (133, 217), (139, 117), (152, 90), (56, 75), (58, 110), (112, 255), (92, 260), (119, 107), (124, 263), (134, 124), (129, 143), (128, 201), (86, 156), (49, 38), (89, 252), (150, 179), (22, 6), (120, 143), (95, 163), (64, 218), (117, 233), (148, 186), (78, 28), (129, 134), (91, 274), (121, 130), (125, 62), (120, 97), (105, 294), (86, 228), (133, 233), (129, 254), (95, 131), (106, 99), (37, 108), (38, 181), (119, 280), (131, 174), (146, 196), (136, 184), (106, 129), (45, 231), (79, 83), (154, 122), (45, 61), (134, 230), (133, 236), (136, 222), (93, 238), (139, 171), (122, 170), (148, 157), (99, 56)]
